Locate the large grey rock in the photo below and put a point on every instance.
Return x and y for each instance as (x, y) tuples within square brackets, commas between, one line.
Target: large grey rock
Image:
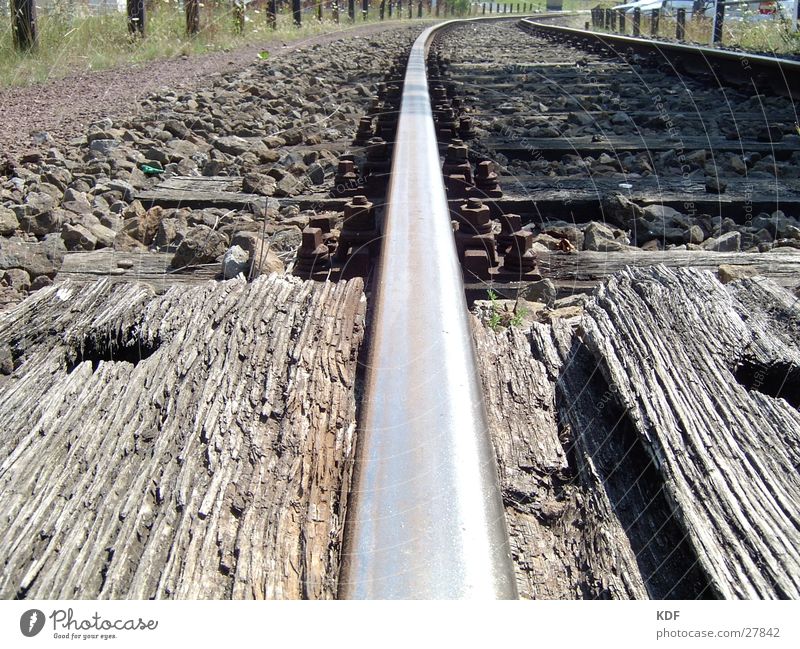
[(543, 291), (35, 203), (728, 242), (235, 261), (181, 149), (286, 240), (77, 237), (104, 147), (103, 235), (263, 257), (123, 187), (76, 202), (34, 258), (40, 223), (657, 231), (170, 232), (143, 228), (601, 238), (316, 173), (9, 297), (620, 211), (18, 279), (694, 234), (728, 273), (288, 186), (255, 183), (265, 262), (232, 144), (6, 358), (201, 245), (571, 233), (551, 243), (9, 222), (669, 216)]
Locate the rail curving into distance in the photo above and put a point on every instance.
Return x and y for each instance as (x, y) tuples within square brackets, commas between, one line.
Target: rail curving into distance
[(730, 66)]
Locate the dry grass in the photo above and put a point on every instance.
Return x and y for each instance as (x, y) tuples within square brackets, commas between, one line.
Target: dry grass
[(70, 45), (747, 32)]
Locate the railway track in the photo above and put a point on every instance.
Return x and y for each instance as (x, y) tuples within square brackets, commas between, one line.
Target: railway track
[(542, 177), (602, 158)]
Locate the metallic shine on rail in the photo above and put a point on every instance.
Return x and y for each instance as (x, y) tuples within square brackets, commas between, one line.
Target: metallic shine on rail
[(426, 519)]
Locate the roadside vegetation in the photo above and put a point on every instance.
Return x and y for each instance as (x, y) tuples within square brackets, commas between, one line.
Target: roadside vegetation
[(71, 42), (744, 27)]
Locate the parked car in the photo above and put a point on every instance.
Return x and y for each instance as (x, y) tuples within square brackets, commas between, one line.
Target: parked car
[(644, 5)]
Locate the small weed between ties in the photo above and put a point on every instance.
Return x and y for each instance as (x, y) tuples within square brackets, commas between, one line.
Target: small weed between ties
[(499, 317)]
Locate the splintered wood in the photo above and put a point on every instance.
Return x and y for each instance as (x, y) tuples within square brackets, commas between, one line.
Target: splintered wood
[(565, 540), (198, 444), (195, 444), (652, 450)]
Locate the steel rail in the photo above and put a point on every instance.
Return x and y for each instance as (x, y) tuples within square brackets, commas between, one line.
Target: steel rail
[(741, 66), (426, 518)]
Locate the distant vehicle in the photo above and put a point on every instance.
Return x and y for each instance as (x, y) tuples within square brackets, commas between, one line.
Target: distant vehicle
[(644, 5), (766, 8)]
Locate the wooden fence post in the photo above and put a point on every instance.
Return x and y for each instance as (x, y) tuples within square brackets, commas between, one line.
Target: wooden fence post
[(24, 25), (319, 10), (621, 20), (719, 19), (364, 9), (680, 25), (192, 9), (351, 10), (136, 17), (238, 16), (654, 23), (272, 13), (637, 22), (297, 13)]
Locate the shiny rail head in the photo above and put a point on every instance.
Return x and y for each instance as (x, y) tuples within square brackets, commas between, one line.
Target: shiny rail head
[(426, 519)]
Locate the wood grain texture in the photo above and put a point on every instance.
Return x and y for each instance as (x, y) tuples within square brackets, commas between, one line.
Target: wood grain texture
[(673, 342), (650, 448), (143, 266), (565, 539), (584, 270), (217, 466)]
